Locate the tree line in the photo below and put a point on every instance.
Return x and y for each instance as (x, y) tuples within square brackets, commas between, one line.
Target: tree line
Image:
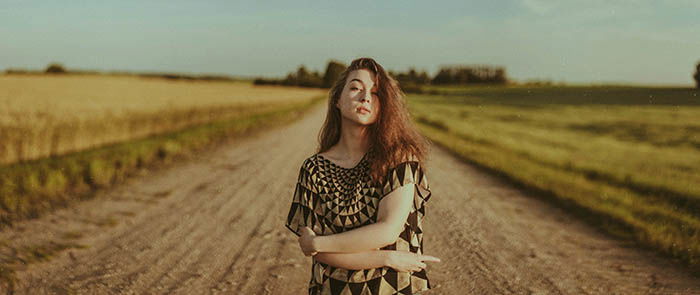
[(410, 80), (304, 78), (56, 68)]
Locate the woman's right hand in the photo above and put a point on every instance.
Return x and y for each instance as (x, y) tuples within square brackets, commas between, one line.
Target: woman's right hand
[(406, 261)]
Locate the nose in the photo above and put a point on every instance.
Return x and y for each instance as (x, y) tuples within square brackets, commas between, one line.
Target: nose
[(366, 97)]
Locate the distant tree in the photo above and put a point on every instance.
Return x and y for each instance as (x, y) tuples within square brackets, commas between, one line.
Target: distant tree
[(423, 78), (333, 71), (412, 75), (500, 76), (411, 78), (470, 74), (302, 72), (697, 75), (444, 76), (308, 79), (302, 77), (263, 81), (16, 71), (56, 68)]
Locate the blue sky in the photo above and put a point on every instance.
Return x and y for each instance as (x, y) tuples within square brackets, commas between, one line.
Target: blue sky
[(595, 41)]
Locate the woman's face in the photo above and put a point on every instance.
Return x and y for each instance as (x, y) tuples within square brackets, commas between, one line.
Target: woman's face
[(360, 91)]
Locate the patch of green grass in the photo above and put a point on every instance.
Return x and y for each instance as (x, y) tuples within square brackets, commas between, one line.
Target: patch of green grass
[(626, 163), (570, 95)]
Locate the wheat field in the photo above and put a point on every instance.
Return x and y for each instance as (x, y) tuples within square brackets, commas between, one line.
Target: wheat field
[(43, 116)]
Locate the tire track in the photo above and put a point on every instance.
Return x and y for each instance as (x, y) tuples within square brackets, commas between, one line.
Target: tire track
[(208, 229), (147, 228)]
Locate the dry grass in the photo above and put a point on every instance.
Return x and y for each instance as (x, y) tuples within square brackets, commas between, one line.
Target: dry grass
[(44, 116)]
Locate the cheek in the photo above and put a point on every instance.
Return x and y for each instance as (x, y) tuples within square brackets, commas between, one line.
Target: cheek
[(341, 102), (344, 105)]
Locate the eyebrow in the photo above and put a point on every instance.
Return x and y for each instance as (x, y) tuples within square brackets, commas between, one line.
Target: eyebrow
[(358, 80)]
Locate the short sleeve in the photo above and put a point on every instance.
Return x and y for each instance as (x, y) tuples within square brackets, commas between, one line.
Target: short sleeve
[(301, 211), (405, 173)]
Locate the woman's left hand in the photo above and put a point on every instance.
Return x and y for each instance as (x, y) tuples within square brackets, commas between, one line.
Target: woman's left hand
[(306, 241)]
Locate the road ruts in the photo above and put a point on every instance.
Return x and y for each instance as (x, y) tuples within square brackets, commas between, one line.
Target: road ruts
[(214, 224)]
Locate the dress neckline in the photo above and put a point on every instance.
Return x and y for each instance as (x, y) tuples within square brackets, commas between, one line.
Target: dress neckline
[(364, 157)]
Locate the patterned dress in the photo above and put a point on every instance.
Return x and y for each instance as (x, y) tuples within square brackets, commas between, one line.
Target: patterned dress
[(331, 199)]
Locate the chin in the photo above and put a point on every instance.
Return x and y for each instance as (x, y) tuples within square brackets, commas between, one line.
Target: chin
[(367, 123), (363, 122)]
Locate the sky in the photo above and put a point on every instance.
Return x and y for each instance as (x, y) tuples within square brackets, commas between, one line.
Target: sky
[(595, 41)]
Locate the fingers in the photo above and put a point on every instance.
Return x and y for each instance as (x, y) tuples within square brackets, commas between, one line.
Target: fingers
[(429, 258), (419, 266)]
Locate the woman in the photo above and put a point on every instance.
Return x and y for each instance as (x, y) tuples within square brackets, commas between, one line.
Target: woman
[(359, 201)]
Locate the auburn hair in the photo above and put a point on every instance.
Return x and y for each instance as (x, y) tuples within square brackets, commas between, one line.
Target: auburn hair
[(393, 138)]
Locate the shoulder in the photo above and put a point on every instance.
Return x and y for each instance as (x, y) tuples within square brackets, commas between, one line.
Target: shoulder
[(310, 162), (309, 166), (411, 161), (307, 174), (409, 170)]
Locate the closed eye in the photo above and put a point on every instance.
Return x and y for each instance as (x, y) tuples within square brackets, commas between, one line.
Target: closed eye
[(355, 88)]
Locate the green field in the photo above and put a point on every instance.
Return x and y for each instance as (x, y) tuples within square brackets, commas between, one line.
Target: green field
[(625, 158)]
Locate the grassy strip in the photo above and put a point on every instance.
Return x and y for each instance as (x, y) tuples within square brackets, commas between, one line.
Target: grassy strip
[(622, 212), (28, 189)]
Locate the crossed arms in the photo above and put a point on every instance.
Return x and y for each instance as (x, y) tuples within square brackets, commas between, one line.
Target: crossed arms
[(359, 248)]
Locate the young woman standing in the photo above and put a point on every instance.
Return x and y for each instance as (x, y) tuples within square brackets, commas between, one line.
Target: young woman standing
[(359, 201)]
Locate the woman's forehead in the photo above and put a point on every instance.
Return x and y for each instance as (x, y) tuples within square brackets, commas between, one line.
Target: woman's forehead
[(364, 76)]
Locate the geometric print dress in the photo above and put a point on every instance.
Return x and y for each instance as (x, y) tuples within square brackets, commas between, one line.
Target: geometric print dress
[(331, 199)]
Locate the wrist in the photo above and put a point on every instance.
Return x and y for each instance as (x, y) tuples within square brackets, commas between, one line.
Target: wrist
[(387, 257), (316, 243)]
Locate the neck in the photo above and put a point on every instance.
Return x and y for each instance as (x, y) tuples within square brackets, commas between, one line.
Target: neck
[(354, 139)]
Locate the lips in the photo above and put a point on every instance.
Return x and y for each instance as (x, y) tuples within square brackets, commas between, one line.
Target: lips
[(363, 108)]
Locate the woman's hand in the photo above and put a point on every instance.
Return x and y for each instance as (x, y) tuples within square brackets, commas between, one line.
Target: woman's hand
[(406, 261), (306, 241)]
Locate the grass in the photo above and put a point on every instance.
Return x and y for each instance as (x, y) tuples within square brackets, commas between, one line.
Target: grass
[(32, 188), (624, 158), (42, 116), (27, 189)]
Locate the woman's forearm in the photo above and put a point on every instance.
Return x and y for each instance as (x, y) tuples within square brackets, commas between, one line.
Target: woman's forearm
[(355, 261), (368, 237)]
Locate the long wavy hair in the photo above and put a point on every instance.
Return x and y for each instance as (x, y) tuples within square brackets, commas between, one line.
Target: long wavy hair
[(393, 138)]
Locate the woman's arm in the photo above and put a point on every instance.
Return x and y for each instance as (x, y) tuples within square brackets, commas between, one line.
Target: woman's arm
[(392, 214), (356, 261), (398, 260)]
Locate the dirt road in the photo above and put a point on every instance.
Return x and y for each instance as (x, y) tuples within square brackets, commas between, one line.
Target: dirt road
[(215, 224)]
